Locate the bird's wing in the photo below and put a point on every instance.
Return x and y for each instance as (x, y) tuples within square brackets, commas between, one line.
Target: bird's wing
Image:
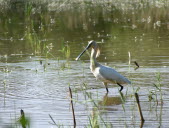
[(112, 75)]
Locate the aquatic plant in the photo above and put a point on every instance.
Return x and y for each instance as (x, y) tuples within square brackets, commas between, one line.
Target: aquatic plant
[(65, 50), (93, 119), (23, 120), (158, 85)]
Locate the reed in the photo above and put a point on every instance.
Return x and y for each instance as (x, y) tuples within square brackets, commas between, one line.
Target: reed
[(158, 85)]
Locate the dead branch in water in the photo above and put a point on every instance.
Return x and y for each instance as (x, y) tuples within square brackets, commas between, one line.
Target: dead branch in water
[(71, 102)]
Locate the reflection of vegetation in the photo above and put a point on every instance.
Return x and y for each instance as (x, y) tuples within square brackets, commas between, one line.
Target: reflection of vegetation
[(28, 9), (34, 41), (66, 51), (34, 22)]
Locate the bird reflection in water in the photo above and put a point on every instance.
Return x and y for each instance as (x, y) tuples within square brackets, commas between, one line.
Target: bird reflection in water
[(110, 101)]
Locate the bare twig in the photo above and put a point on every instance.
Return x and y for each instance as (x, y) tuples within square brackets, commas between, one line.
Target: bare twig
[(139, 107), (136, 65), (52, 119), (71, 101)]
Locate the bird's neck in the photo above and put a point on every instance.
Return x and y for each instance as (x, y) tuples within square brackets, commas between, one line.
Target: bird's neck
[(93, 62)]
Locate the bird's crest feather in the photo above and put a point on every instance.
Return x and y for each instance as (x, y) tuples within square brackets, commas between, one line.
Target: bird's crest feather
[(98, 52)]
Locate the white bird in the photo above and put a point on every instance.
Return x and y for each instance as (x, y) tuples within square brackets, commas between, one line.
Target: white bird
[(103, 73)]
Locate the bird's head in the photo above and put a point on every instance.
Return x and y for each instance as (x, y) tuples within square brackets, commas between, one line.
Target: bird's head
[(91, 44)]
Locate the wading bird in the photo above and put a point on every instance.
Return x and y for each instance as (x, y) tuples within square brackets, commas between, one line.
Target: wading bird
[(101, 72)]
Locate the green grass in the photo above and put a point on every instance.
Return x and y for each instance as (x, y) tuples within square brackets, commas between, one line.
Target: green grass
[(158, 85)]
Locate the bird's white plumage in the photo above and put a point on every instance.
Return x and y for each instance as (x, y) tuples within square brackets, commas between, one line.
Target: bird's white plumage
[(109, 75)]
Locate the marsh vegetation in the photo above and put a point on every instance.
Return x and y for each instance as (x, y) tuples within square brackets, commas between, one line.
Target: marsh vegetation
[(39, 41)]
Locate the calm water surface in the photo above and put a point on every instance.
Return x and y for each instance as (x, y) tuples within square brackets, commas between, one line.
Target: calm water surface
[(38, 46)]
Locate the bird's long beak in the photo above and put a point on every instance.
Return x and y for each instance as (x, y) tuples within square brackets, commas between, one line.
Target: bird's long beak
[(88, 46)]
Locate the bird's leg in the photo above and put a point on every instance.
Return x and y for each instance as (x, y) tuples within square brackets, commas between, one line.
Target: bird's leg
[(105, 84), (120, 86)]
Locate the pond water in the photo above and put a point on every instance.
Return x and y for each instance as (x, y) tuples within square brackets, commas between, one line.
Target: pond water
[(40, 40)]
